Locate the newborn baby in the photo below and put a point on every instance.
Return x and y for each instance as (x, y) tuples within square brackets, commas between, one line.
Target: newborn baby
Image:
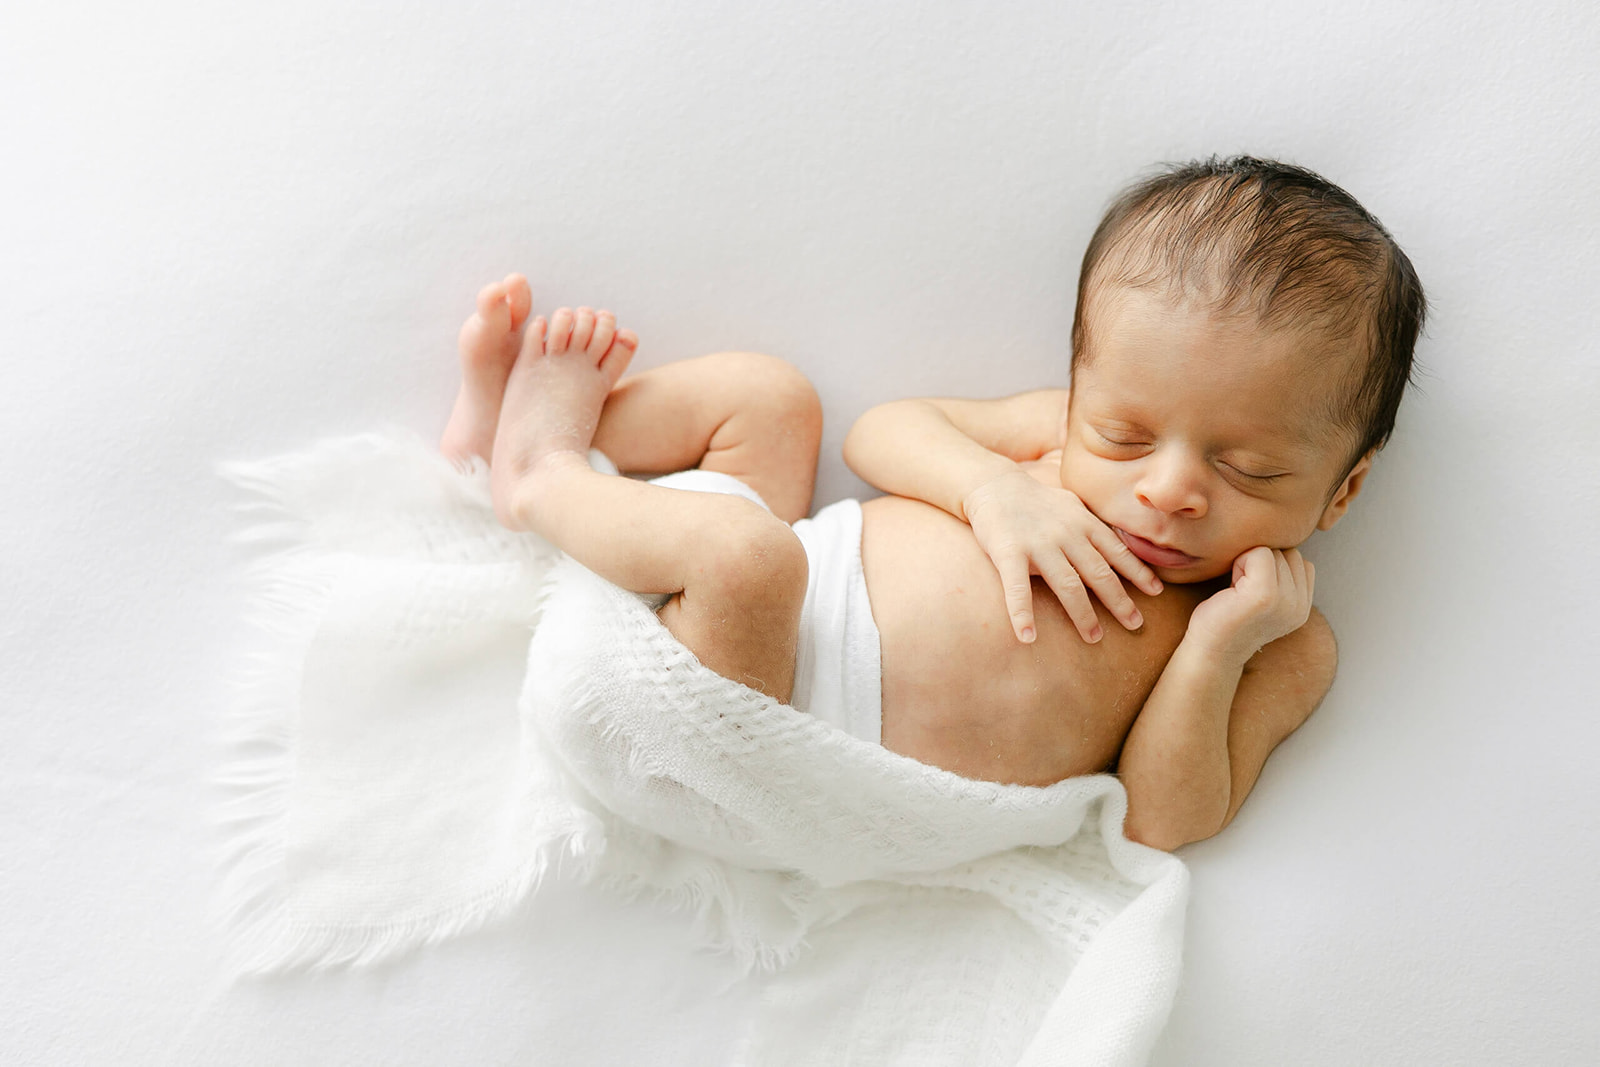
[(1242, 338)]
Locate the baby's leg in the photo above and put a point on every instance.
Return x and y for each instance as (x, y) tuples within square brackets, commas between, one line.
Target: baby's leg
[(739, 571), (751, 416), (488, 345), (741, 413)]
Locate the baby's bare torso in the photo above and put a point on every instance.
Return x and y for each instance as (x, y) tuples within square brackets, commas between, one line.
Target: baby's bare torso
[(962, 693)]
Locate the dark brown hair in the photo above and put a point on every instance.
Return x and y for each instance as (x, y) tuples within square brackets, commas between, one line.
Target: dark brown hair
[(1278, 243)]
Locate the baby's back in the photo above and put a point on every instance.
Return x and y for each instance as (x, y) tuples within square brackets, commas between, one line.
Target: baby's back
[(960, 692)]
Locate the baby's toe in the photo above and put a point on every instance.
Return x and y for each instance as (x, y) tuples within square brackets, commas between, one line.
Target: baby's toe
[(533, 338), (519, 299), (560, 331), (605, 330), (616, 360), (582, 328), (493, 309)]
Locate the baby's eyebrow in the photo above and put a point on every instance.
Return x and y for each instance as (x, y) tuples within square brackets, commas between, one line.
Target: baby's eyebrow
[(1318, 437), (1299, 437), (1273, 453), (1312, 438), (1283, 452)]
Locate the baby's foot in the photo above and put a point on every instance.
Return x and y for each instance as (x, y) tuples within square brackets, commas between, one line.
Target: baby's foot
[(553, 399), (488, 344)]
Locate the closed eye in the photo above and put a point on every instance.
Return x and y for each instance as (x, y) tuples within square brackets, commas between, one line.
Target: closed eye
[(1118, 441), (1256, 477)]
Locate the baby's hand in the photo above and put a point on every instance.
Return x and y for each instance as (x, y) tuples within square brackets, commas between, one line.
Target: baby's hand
[(1270, 597), (1028, 528)]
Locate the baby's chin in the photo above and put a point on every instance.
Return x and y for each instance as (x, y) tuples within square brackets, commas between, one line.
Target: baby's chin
[(1201, 570)]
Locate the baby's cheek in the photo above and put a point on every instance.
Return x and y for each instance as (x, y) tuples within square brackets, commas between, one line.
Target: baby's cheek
[(1064, 471), (1082, 474)]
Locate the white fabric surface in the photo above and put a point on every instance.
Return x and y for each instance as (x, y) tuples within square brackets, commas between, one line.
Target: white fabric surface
[(839, 661), (389, 793)]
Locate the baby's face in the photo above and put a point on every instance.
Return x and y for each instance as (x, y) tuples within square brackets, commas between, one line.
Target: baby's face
[(1198, 438)]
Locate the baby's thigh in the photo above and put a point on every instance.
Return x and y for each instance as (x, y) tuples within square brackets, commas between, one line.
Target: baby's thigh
[(740, 611)]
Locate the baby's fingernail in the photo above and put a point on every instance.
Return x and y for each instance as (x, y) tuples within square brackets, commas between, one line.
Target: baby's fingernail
[(1096, 633), (1027, 634), (1135, 619)]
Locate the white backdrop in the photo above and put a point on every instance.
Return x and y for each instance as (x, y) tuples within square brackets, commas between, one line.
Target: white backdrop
[(225, 233)]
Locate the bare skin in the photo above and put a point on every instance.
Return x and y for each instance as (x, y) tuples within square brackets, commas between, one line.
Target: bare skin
[(941, 703), (488, 342), (735, 573), (960, 691), (1194, 453)]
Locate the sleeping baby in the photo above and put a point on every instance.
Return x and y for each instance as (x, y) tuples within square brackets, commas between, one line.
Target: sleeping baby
[(1242, 338)]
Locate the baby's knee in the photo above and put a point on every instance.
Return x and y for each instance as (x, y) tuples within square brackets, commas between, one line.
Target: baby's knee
[(778, 388), (752, 558)]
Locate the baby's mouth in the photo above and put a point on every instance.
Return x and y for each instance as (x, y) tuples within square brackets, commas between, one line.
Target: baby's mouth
[(1152, 553)]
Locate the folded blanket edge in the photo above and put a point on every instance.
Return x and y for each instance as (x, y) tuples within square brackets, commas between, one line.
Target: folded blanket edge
[(287, 586)]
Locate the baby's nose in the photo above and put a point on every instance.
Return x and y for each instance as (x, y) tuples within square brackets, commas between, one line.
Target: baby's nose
[(1172, 488)]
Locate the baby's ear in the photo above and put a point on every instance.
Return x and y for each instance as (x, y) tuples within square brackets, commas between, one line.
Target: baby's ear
[(1348, 490)]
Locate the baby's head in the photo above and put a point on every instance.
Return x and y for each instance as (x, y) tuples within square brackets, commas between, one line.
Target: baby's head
[(1243, 335)]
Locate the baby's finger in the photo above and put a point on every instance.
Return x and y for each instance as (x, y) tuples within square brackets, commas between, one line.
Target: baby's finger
[(1302, 578), (1288, 585), (1260, 561), (1297, 568), (1017, 584), (1096, 573), (1297, 571), (1069, 589), (1122, 558)]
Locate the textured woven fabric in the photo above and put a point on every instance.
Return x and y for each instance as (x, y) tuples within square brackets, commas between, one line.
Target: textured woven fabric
[(445, 709)]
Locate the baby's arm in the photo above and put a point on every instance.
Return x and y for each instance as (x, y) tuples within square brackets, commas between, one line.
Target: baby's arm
[(1221, 707), (939, 450), (965, 457)]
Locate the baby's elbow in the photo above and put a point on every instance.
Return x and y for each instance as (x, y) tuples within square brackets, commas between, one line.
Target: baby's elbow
[(1151, 836), (884, 430), (1318, 654), (1167, 838), (860, 443), (1170, 830), (1321, 632), (852, 445)]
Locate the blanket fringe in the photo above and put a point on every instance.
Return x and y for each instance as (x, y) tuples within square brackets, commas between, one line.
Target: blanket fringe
[(710, 902), (287, 586)]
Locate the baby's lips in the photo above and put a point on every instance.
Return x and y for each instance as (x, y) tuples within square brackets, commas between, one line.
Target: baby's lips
[(1153, 554)]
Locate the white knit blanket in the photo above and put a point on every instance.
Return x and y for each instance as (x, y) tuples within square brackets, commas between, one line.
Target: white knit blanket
[(445, 710)]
